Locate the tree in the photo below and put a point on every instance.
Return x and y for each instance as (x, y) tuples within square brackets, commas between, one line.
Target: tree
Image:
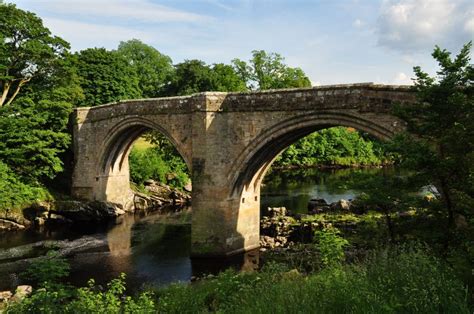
[(27, 51), (105, 76), (154, 69), (32, 135), (192, 76), (440, 142), (268, 71), (226, 79)]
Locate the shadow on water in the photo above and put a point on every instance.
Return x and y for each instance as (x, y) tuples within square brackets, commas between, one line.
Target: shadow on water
[(151, 248)]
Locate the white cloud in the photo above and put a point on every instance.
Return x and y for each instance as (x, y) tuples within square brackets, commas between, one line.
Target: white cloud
[(139, 10), (82, 34), (402, 79), (412, 25), (358, 23)]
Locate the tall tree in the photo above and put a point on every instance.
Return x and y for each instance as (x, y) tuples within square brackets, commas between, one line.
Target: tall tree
[(105, 76), (27, 50), (226, 79), (268, 71), (440, 145), (154, 69)]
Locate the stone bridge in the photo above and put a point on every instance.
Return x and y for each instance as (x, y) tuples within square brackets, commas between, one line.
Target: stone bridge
[(228, 141)]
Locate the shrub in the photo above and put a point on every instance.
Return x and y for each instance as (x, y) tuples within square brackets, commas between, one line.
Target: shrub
[(14, 193)]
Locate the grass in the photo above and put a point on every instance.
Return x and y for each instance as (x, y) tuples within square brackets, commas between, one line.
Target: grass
[(141, 144)]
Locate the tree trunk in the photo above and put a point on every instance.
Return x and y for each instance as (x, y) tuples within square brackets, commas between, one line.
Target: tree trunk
[(20, 84), (6, 88)]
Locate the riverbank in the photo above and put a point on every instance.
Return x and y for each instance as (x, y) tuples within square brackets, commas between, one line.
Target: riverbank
[(62, 210)]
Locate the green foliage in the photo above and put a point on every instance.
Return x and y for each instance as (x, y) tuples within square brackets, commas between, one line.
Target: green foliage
[(158, 164), (194, 76), (405, 280), (268, 71), (334, 146), (14, 193), (105, 76), (394, 280), (27, 51), (48, 269), (440, 142), (32, 135), (91, 299), (331, 246), (154, 69)]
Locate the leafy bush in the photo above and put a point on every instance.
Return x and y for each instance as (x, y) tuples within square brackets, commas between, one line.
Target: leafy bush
[(331, 246), (153, 163), (14, 193), (91, 299)]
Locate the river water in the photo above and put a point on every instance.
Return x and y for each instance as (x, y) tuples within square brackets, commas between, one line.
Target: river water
[(154, 248)]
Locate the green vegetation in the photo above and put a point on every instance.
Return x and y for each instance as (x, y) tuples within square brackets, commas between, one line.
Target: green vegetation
[(337, 146), (156, 164), (105, 76), (269, 71), (38, 92), (40, 83), (394, 280)]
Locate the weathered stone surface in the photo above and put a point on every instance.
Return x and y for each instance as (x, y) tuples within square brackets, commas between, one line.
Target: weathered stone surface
[(79, 211), (21, 292), (5, 296), (8, 225), (341, 205), (317, 205), (228, 141)]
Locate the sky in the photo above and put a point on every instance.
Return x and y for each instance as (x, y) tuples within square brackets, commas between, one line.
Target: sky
[(334, 42)]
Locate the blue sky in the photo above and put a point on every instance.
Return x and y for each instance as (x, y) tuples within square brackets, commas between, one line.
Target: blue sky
[(340, 41)]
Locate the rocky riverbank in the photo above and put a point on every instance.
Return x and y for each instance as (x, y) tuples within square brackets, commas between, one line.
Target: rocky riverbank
[(279, 228), (59, 212)]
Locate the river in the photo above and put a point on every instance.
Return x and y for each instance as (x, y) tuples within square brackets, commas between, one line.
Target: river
[(154, 248)]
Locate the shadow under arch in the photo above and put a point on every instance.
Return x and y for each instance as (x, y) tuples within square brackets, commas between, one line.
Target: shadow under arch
[(112, 170), (255, 160)]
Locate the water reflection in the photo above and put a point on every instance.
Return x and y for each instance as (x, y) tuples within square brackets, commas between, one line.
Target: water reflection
[(294, 188), (154, 248)]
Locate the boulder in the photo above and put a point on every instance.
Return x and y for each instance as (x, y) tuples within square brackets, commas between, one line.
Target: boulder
[(276, 211), (5, 296), (317, 205), (22, 292), (341, 205), (188, 187), (88, 211), (8, 225)]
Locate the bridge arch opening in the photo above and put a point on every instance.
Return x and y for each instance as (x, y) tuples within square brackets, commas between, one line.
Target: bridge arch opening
[(250, 169), (113, 170)]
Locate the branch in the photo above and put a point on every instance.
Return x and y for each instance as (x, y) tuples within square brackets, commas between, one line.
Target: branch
[(22, 82), (6, 88)]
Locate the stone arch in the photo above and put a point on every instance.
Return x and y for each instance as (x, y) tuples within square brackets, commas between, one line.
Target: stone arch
[(250, 167), (120, 138), (112, 169)]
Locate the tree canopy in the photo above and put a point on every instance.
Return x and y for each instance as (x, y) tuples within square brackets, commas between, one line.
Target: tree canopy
[(105, 76), (27, 50), (268, 71), (440, 142), (154, 70)]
